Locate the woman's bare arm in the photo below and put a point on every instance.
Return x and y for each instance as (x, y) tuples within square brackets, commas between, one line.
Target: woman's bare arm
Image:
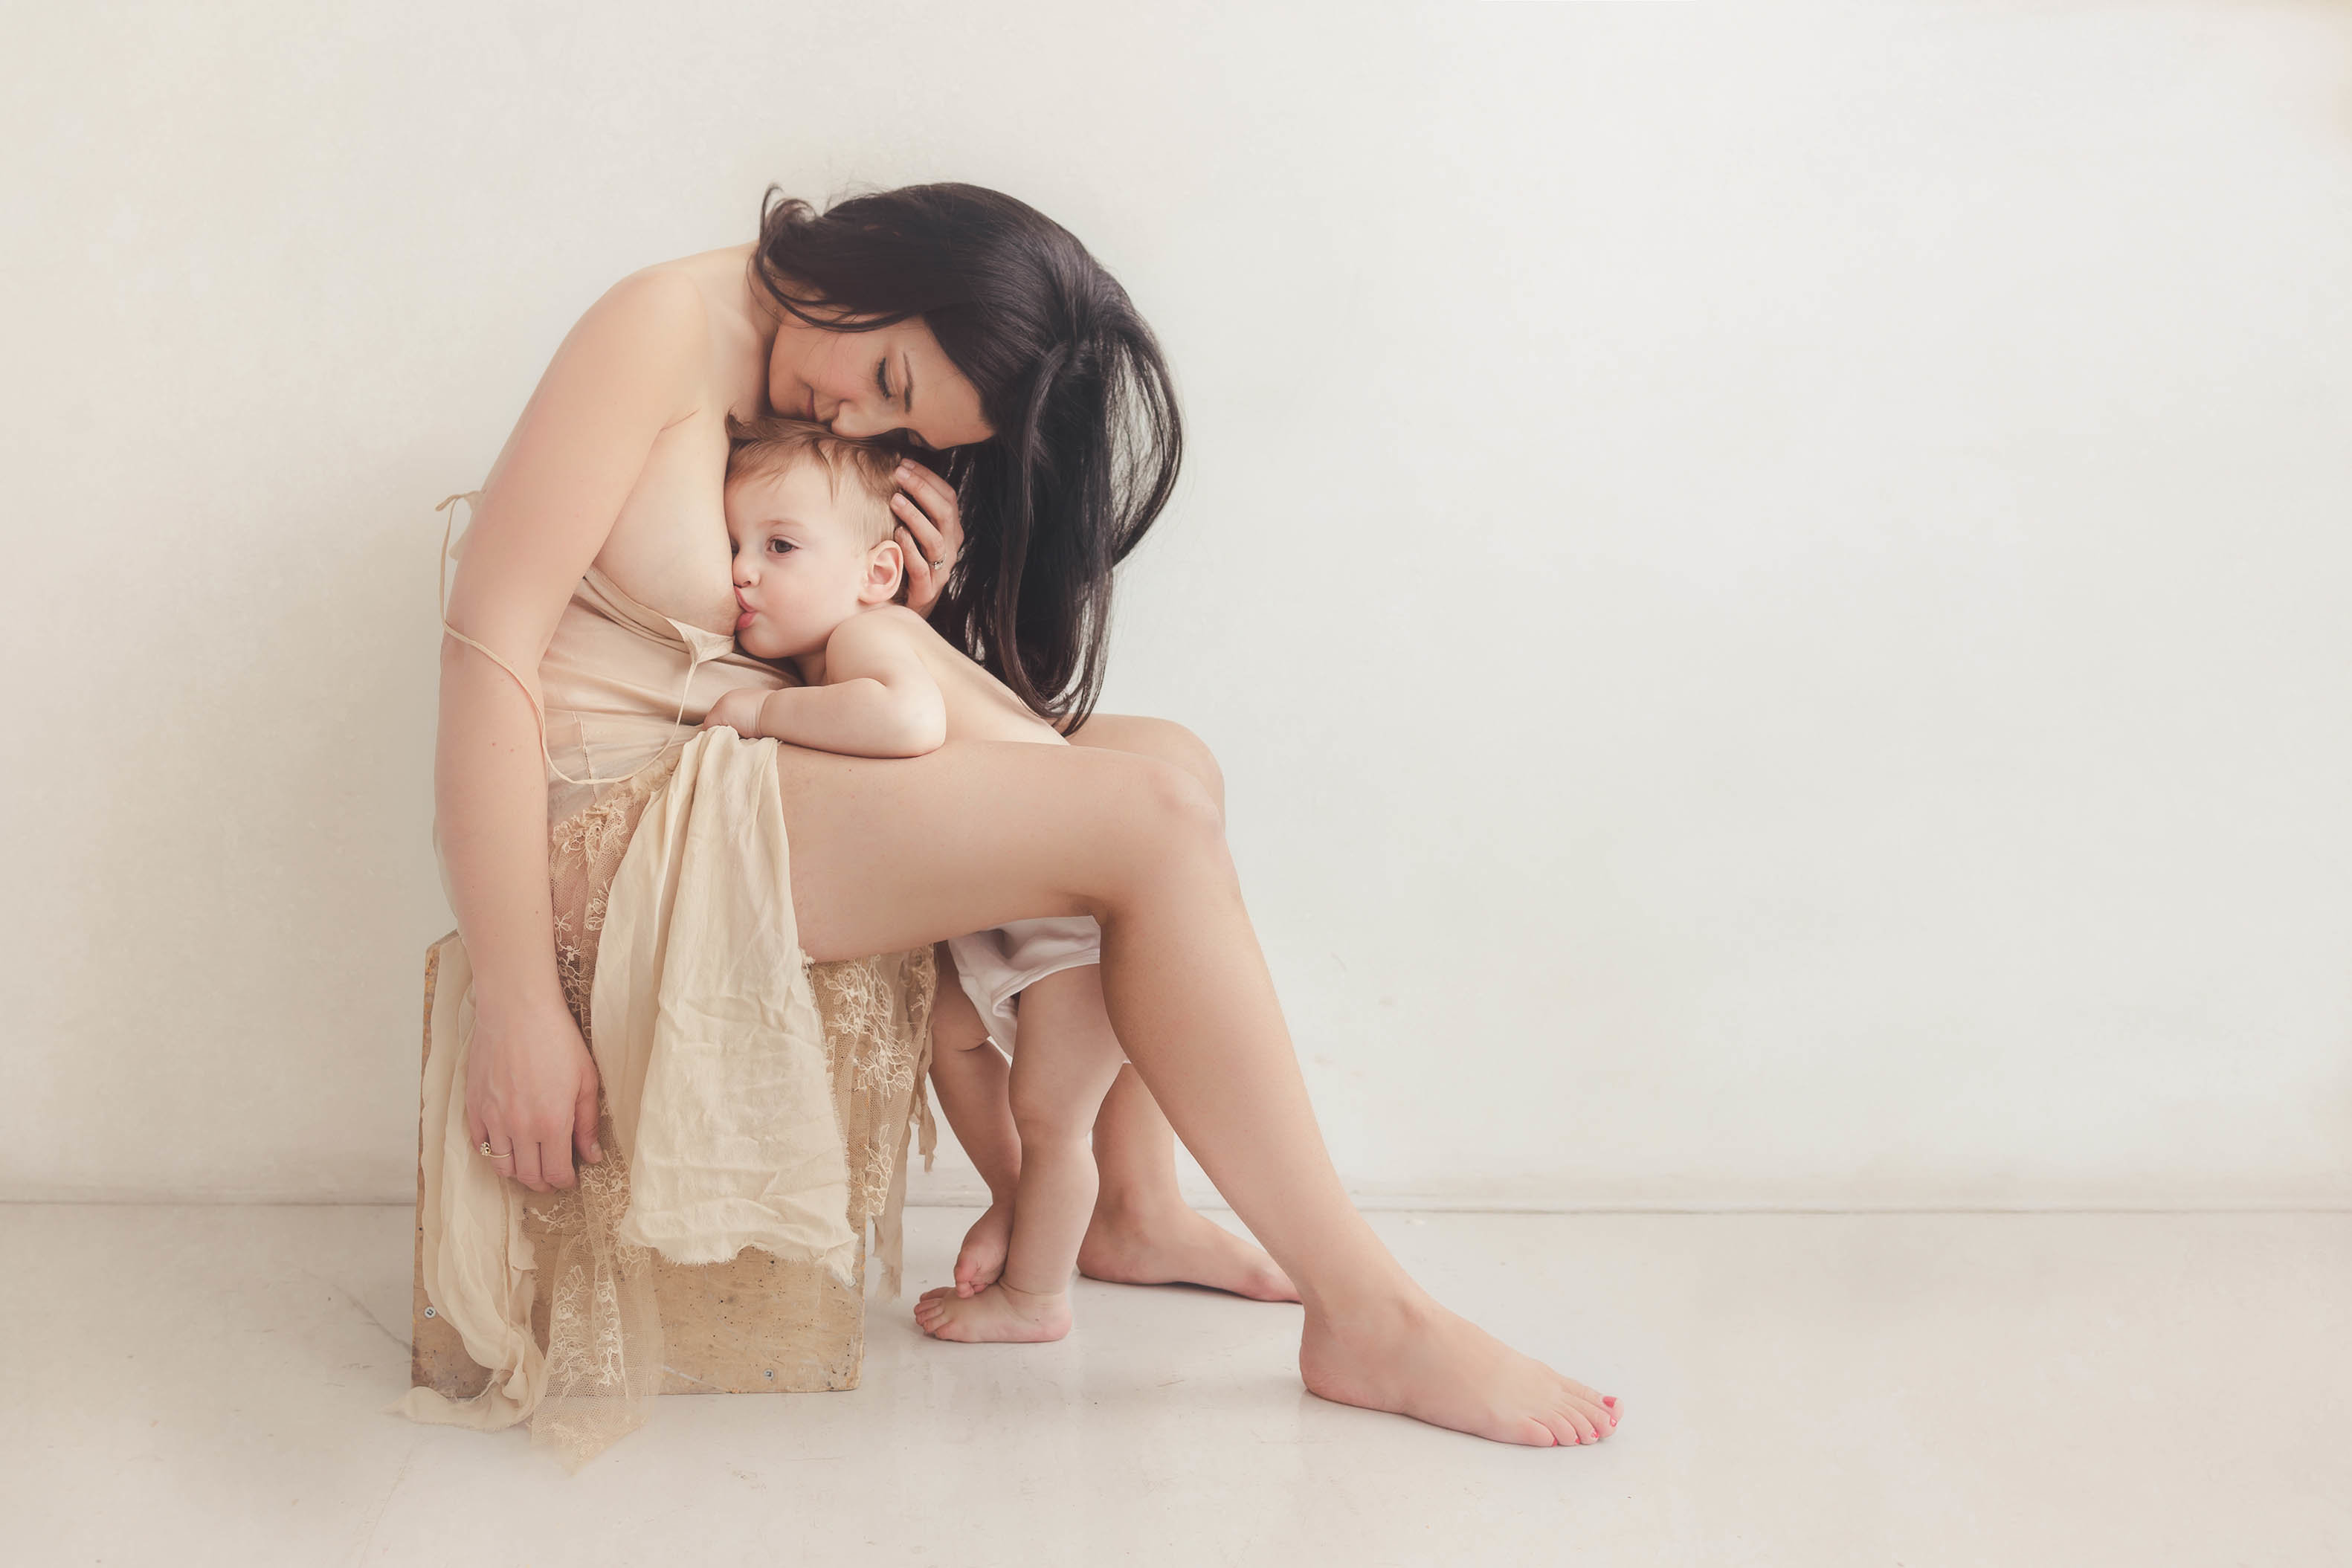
[(626, 372)]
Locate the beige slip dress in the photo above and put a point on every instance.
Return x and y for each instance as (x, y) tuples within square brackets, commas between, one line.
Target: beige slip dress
[(748, 1097)]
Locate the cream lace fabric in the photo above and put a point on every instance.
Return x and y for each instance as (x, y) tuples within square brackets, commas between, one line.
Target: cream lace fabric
[(748, 1097)]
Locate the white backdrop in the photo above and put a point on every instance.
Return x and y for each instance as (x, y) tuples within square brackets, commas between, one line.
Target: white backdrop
[(1771, 583)]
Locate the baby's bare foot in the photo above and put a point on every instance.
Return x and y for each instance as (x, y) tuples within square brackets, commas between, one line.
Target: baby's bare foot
[(997, 1315), (1417, 1359), (981, 1260), (1179, 1247)]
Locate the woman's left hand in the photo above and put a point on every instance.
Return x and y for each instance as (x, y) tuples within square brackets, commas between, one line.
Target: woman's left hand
[(931, 531)]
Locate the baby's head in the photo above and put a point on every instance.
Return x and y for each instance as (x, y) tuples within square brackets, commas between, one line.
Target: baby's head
[(809, 514)]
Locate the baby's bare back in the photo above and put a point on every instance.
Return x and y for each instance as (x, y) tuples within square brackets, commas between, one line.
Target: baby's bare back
[(980, 707)]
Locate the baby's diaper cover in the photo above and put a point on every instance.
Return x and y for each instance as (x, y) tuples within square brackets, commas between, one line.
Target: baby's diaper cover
[(996, 966)]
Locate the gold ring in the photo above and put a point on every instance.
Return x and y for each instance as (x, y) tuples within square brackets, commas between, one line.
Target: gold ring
[(486, 1149)]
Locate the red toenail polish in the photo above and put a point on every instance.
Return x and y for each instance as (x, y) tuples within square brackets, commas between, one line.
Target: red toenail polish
[(1610, 1400)]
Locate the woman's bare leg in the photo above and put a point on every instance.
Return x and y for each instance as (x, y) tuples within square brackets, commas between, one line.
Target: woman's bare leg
[(974, 1086), (888, 855), (1143, 1232)]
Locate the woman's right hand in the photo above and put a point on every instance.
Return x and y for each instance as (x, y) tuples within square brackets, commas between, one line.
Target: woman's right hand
[(929, 532), (530, 1090)]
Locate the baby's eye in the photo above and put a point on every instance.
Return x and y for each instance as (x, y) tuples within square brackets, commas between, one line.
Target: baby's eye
[(781, 545)]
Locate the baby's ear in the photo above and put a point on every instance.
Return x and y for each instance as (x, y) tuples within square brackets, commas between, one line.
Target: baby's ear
[(885, 574)]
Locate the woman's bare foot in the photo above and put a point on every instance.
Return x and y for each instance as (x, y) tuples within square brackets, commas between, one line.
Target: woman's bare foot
[(1415, 1358), (1176, 1246), (981, 1260), (997, 1315)]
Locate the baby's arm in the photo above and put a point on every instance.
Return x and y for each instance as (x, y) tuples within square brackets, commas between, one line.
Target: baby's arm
[(879, 699)]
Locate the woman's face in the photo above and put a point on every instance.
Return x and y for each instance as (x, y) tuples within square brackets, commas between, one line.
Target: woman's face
[(872, 383)]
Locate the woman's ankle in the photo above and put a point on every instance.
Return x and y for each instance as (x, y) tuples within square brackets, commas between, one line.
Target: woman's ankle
[(1379, 1310), (1135, 1205)]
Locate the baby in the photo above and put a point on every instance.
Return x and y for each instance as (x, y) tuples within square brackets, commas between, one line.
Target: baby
[(817, 574)]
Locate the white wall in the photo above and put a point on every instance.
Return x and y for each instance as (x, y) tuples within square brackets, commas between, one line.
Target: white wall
[(1771, 585)]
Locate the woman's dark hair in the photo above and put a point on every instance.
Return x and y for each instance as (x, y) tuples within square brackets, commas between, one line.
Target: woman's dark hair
[(1071, 379)]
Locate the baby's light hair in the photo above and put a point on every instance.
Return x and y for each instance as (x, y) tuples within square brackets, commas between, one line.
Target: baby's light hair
[(763, 447)]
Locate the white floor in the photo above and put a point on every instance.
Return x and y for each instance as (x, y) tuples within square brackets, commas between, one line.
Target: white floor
[(206, 1384)]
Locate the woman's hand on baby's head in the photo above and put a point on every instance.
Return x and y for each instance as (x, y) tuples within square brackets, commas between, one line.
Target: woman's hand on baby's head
[(738, 710), (931, 531)]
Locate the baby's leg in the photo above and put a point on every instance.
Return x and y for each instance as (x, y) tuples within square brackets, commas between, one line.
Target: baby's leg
[(969, 1075), (1061, 1068)]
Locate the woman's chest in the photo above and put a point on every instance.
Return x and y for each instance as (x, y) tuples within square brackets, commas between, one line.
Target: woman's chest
[(668, 548)]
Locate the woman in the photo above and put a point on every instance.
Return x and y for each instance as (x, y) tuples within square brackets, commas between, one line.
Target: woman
[(970, 325)]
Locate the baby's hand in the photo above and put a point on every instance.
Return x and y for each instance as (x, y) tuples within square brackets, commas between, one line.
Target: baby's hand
[(738, 710)]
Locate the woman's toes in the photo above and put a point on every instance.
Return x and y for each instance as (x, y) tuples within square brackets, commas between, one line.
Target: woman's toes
[(1586, 1431), (1554, 1434)]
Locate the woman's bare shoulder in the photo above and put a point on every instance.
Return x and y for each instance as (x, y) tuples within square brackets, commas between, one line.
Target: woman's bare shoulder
[(718, 280), (655, 301), (710, 297)]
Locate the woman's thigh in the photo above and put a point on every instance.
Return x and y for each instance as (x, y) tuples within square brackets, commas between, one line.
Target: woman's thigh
[(893, 853)]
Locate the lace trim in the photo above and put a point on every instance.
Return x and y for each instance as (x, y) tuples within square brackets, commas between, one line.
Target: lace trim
[(604, 1340), (605, 1344)]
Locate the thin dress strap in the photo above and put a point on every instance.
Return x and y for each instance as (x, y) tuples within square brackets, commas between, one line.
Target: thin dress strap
[(472, 499)]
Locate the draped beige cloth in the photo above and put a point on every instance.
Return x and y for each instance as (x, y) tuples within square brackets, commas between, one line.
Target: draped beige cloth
[(679, 952)]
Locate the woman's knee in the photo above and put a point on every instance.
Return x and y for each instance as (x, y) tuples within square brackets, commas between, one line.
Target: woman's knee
[(1176, 817), (1162, 739)]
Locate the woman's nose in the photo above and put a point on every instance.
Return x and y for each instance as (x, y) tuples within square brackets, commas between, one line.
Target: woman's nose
[(849, 419)]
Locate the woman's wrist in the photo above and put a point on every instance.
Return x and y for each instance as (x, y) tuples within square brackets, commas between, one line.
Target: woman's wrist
[(498, 997)]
